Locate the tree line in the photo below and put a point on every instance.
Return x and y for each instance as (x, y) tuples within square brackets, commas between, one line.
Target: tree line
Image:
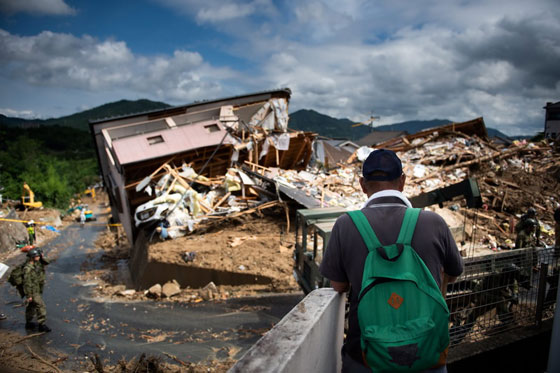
[(56, 162)]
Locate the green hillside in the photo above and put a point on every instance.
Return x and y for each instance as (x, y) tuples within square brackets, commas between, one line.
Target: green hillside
[(80, 120), (312, 121), (413, 126), (309, 120)]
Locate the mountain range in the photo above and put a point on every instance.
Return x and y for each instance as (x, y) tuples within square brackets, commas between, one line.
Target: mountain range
[(302, 120), (80, 120)]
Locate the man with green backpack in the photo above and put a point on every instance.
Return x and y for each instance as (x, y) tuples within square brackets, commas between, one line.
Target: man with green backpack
[(393, 259)]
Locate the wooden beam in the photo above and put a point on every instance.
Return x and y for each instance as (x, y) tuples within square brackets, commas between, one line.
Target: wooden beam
[(298, 154), (222, 200)]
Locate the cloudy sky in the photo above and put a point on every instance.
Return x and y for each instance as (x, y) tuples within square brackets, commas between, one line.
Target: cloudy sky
[(399, 60)]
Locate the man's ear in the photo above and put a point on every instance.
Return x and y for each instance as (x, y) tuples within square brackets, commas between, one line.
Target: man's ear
[(401, 182), (363, 184)]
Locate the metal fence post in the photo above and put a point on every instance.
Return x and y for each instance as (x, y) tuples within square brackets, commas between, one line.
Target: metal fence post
[(541, 291), (553, 356)]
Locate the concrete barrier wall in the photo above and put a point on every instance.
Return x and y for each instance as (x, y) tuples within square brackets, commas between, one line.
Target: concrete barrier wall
[(195, 277), (307, 339), (145, 273)]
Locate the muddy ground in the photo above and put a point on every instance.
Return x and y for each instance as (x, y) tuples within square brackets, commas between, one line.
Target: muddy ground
[(256, 244), (248, 243)]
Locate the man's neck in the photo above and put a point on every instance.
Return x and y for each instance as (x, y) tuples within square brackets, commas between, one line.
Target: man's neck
[(389, 193)]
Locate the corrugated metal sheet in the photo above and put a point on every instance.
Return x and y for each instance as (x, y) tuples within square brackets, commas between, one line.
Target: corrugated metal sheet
[(175, 140)]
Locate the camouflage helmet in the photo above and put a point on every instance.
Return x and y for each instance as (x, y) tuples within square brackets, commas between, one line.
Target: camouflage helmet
[(34, 253)]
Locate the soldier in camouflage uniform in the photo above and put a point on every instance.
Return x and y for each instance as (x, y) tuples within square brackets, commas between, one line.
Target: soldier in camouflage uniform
[(529, 220), (33, 283), (527, 236)]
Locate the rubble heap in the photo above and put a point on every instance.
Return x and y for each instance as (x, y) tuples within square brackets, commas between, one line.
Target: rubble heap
[(511, 179), (238, 226)]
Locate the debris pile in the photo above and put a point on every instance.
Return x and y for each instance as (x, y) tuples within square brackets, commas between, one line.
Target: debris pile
[(511, 179), (183, 199), (238, 224)]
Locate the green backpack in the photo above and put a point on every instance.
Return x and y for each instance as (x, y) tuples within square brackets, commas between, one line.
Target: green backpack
[(402, 314)]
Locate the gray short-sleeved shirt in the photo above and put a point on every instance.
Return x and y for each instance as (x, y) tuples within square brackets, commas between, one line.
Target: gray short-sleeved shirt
[(346, 252)]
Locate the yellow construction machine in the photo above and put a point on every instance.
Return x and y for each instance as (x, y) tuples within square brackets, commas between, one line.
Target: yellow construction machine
[(90, 192), (28, 198)]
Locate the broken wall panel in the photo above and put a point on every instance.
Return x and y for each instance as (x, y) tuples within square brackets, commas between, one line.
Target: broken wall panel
[(170, 141)]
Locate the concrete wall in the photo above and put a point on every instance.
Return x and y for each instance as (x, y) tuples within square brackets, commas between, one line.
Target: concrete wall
[(145, 272), (552, 127), (304, 340)]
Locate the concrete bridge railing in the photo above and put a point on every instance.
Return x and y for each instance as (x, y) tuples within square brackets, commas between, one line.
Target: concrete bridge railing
[(307, 339)]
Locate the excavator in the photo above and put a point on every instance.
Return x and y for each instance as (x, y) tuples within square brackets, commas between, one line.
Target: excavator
[(90, 192), (28, 198)]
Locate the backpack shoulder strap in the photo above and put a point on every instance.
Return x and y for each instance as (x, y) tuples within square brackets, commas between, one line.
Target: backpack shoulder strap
[(365, 229), (408, 226)]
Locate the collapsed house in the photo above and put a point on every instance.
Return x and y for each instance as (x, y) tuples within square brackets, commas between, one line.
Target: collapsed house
[(167, 163), (510, 178), (433, 159), (204, 138)]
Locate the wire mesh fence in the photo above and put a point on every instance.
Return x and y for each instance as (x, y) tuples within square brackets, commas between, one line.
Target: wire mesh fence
[(500, 292)]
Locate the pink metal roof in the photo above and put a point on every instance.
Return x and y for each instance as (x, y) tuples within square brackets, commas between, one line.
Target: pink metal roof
[(175, 140)]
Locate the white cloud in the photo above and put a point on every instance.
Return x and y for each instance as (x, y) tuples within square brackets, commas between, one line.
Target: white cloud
[(452, 60), (62, 60), (319, 20), (503, 69), (217, 11), (26, 114), (45, 7), (225, 12), (489, 75)]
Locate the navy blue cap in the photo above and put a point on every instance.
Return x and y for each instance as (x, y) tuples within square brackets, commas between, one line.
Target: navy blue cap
[(382, 161)]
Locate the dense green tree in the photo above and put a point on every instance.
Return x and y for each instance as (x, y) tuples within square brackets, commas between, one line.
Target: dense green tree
[(56, 162)]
